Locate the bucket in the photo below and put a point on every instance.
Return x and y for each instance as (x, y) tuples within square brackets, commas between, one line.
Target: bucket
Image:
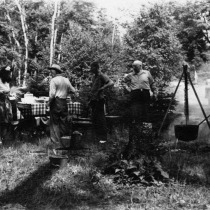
[(62, 151), (186, 132), (76, 141), (58, 160), (65, 141)]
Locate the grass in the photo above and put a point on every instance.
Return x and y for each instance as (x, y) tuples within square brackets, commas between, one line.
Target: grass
[(28, 181)]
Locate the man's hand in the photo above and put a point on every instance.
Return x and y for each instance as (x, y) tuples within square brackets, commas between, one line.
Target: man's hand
[(99, 90), (154, 96), (48, 106), (128, 89), (76, 93)]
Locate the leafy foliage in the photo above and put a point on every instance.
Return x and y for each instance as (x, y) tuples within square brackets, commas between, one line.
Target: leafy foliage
[(192, 26), (140, 162), (152, 39), (161, 36)]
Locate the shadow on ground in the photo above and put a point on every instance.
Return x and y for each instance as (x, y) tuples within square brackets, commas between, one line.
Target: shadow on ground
[(23, 194), (189, 164), (78, 192)]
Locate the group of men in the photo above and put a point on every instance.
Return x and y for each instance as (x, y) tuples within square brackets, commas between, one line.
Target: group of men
[(139, 82)]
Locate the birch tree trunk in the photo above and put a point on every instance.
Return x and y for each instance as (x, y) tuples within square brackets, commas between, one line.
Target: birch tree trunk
[(36, 40), (56, 26), (113, 36), (113, 33), (24, 28), (60, 48), (52, 43)]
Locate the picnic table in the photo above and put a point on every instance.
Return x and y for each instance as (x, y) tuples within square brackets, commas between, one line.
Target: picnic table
[(34, 117), (39, 113), (75, 109)]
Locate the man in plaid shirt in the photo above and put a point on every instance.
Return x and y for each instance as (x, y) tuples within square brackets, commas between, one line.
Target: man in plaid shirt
[(60, 87)]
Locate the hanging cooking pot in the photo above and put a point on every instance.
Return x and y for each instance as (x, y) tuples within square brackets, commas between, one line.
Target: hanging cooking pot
[(186, 132)]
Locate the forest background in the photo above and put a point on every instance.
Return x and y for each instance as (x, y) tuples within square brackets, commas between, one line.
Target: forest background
[(35, 34)]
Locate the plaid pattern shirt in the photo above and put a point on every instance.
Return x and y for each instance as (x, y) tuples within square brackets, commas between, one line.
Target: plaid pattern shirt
[(39, 109)]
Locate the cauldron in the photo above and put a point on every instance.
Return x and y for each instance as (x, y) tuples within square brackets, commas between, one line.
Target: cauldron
[(186, 132)]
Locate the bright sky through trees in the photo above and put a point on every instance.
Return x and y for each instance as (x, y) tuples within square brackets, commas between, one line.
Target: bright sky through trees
[(122, 9)]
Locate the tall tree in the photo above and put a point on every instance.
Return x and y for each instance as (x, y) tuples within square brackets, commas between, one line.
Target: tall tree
[(9, 42), (193, 30), (53, 31), (152, 39), (7, 15), (25, 31)]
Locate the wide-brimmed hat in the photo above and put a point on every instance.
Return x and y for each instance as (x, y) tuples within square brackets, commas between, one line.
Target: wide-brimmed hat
[(56, 67)]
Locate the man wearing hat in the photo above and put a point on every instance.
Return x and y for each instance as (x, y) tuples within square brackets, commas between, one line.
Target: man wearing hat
[(60, 87), (140, 82)]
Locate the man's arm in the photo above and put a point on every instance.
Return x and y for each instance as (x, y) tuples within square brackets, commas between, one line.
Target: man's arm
[(126, 82), (72, 89), (107, 83), (52, 92), (152, 86), (153, 89)]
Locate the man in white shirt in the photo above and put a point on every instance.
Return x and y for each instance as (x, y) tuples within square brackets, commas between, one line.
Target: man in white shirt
[(139, 83), (60, 87)]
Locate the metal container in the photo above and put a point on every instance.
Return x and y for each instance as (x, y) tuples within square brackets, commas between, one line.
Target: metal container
[(76, 141), (65, 141), (58, 160), (186, 132)]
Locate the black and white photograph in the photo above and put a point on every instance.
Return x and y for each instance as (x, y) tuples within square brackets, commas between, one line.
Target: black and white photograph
[(104, 104)]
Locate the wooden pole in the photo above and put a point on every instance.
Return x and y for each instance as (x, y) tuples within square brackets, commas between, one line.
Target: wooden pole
[(186, 101), (170, 104), (202, 109)]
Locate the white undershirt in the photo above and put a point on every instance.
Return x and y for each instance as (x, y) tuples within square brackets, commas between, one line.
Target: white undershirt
[(4, 87)]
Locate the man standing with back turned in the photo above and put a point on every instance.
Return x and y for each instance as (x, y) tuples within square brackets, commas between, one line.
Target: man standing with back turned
[(99, 83), (60, 87)]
